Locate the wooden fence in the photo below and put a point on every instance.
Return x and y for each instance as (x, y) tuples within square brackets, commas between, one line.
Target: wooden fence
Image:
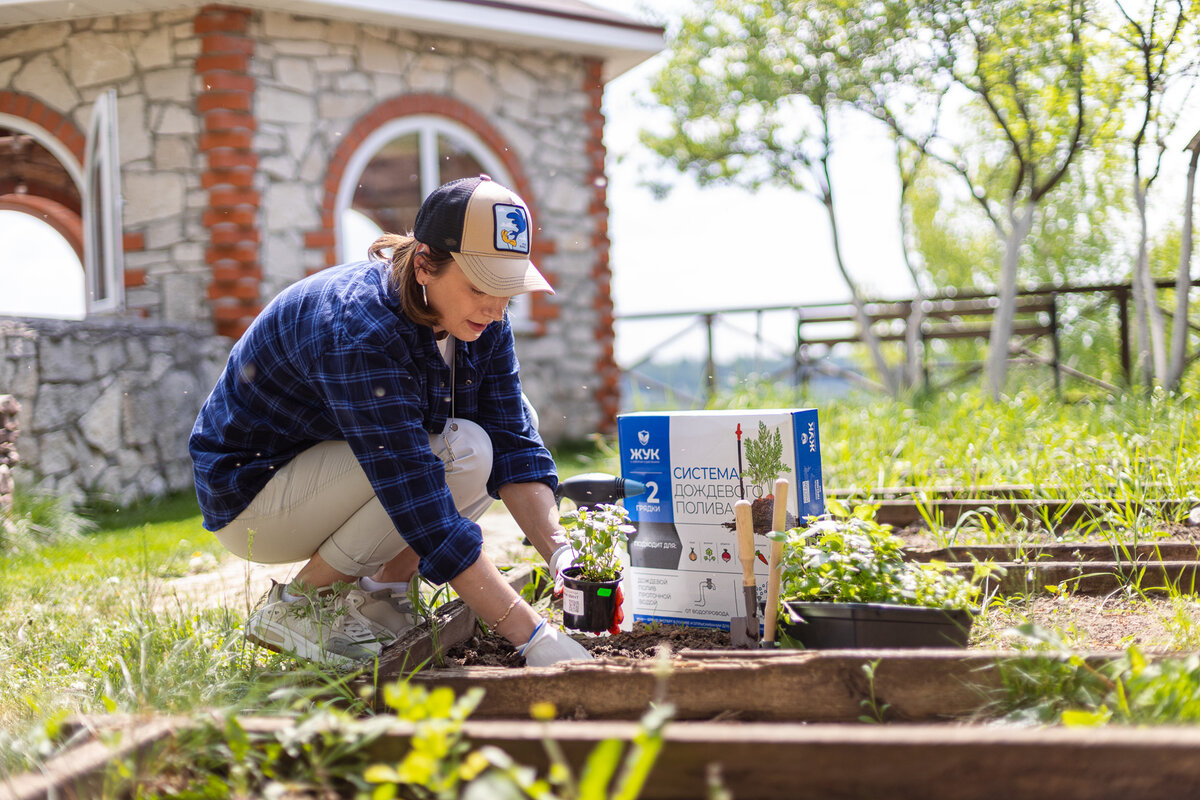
[(824, 331)]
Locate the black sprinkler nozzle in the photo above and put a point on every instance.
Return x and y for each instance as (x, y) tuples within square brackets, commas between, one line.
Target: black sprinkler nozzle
[(597, 487)]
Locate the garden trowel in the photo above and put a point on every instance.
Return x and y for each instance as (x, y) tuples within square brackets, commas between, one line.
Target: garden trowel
[(743, 631)]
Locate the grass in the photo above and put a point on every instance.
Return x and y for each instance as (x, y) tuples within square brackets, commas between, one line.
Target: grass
[(82, 632)]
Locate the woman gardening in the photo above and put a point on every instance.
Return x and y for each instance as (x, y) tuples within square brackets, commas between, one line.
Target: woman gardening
[(366, 420)]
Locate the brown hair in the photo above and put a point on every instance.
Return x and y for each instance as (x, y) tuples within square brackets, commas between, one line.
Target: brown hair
[(404, 272)]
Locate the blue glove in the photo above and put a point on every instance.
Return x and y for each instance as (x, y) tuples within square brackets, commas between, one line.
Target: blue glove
[(548, 646)]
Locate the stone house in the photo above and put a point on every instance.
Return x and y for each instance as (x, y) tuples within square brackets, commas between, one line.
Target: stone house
[(198, 158)]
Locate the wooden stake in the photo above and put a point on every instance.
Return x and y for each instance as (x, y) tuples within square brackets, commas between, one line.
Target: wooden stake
[(778, 523)]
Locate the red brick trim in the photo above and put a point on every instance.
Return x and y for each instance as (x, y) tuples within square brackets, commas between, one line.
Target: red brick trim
[(608, 387), (37, 112), (542, 308), (65, 221), (225, 106)]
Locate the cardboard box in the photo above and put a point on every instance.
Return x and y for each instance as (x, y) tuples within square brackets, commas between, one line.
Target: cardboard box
[(684, 557)]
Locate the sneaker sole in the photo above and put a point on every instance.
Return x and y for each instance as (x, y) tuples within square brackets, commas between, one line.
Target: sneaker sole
[(297, 647)]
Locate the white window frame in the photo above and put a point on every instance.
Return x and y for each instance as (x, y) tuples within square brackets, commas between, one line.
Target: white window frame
[(427, 127), (103, 245)]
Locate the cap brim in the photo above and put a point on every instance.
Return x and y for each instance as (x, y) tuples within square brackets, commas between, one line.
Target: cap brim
[(502, 277)]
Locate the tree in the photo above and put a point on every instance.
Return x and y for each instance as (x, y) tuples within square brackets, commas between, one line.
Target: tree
[(753, 90), (1022, 66), (1179, 332), (1157, 41)]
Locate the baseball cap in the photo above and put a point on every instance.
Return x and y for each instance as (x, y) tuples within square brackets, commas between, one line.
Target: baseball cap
[(486, 227)]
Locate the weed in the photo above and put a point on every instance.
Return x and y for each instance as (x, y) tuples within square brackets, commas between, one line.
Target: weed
[(875, 709)]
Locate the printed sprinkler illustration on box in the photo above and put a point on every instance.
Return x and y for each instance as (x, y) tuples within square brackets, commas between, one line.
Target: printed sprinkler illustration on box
[(696, 465)]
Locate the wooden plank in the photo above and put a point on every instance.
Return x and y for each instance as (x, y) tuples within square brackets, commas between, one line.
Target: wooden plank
[(424, 644), (1096, 577), (764, 685), (79, 772), (896, 762), (1062, 513), (1085, 552)]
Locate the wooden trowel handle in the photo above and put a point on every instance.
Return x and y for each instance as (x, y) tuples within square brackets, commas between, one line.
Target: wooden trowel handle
[(744, 522), (778, 523)]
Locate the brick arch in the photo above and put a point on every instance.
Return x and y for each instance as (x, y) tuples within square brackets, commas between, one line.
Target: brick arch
[(62, 219), (61, 128), (325, 237)]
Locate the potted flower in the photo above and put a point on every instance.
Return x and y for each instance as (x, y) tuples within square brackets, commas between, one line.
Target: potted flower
[(845, 583), (590, 586)]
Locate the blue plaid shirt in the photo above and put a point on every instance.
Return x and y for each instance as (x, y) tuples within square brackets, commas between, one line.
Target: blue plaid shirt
[(334, 358)]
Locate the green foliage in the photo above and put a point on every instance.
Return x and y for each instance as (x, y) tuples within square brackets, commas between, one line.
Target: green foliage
[(764, 456), (749, 88), (596, 536), (1056, 686), (848, 557), (37, 519), (441, 764)]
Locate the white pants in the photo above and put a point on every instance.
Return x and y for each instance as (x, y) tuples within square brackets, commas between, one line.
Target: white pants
[(321, 502)]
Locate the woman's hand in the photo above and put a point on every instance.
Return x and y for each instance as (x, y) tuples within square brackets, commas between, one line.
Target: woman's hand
[(549, 646)]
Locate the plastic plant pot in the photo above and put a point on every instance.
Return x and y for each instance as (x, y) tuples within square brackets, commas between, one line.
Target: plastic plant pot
[(588, 605), (818, 625)]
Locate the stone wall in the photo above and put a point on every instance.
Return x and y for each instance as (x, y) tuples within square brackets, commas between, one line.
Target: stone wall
[(148, 59), (9, 408), (310, 82), (106, 406)]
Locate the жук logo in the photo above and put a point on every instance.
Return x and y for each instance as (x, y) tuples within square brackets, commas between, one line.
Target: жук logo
[(644, 453)]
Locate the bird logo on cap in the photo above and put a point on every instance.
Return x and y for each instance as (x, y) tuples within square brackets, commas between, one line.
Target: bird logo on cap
[(512, 228)]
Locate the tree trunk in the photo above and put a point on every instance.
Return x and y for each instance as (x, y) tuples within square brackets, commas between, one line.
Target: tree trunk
[(1183, 278), (1151, 358), (1006, 309)]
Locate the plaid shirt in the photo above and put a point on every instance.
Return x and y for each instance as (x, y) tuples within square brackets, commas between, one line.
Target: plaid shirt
[(334, 358)]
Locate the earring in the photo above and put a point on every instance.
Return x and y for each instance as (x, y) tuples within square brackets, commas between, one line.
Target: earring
[(424, 295)]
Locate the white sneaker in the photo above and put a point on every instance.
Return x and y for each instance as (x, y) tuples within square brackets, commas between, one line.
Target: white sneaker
[(387, 610), (329, 628)]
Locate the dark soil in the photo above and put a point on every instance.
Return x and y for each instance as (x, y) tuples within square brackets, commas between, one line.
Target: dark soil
[(640, 643), (1156, 623), (762, 513)]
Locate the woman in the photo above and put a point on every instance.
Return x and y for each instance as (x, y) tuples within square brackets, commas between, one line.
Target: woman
[(362, 421)]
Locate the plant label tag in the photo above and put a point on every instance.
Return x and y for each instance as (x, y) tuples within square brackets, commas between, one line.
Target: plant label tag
[(573, 601)]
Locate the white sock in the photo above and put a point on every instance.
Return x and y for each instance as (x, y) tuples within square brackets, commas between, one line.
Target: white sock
[(371, 585), (287, 596)]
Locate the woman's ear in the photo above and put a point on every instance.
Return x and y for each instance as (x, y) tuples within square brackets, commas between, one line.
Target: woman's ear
[(421, 263)]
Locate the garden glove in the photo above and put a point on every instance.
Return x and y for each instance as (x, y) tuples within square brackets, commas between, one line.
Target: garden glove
[(563, 557), (549, 646)]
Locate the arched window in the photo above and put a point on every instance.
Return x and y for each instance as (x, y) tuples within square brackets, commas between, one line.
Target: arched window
[(61, 225), (395, 168), (39, 269)]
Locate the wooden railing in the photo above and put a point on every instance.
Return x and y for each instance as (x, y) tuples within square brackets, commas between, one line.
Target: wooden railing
[(823, 330)]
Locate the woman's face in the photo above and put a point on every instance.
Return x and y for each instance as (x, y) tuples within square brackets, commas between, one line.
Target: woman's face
[(462, 310)]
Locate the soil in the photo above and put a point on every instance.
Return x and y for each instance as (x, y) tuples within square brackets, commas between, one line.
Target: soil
[(1094, 624), (762, 515), (640, 643)]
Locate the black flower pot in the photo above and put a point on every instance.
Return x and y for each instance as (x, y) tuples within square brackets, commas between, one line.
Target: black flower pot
[(824, 625), (588, 605)]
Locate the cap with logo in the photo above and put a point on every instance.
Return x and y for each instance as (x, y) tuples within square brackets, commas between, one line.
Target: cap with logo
[(486, 228)]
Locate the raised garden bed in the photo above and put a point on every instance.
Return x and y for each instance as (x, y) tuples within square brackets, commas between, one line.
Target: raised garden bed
[(752, 759)]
